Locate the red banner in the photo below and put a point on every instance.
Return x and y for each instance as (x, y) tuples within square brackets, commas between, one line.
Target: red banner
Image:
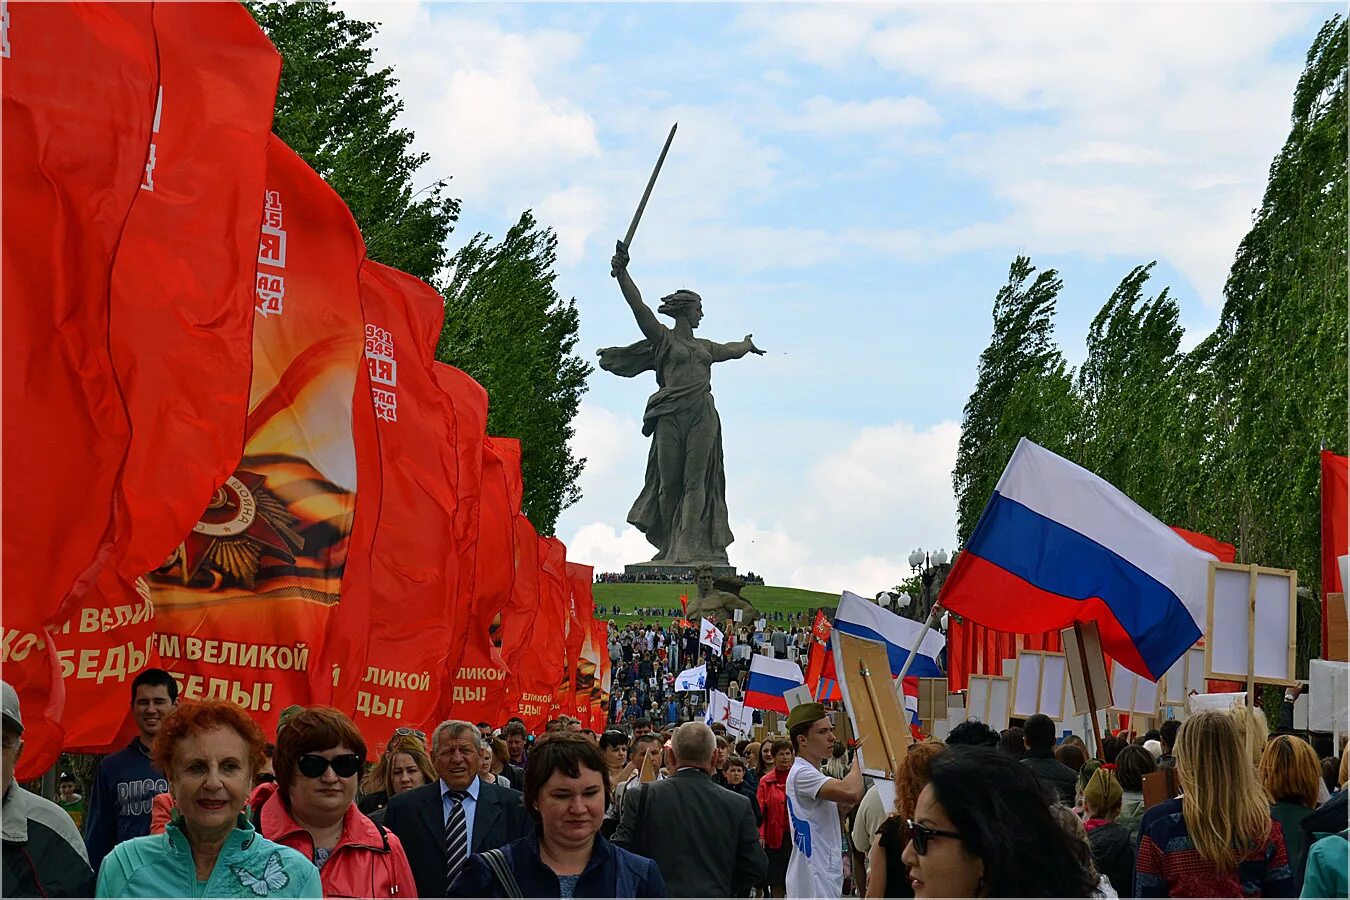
[(243, 605), (600, 690), (480, 681), (397, 598), (540, 663), (574, 698), (78, 105), (1335, 529), (521, 614), (183, 287), (469, 406)]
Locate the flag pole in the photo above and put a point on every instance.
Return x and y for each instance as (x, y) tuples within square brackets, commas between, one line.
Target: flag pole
[(904, 670)]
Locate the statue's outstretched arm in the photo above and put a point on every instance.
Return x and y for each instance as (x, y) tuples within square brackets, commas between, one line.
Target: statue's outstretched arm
[(646, 319), (734, 350)]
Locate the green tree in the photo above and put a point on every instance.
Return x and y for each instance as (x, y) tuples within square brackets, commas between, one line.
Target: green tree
[(507, 327), (1023, 389), (337, 111), (1133, 398), (1277, 360)]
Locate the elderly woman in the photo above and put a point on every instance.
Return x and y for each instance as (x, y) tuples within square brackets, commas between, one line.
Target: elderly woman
[(566, 786), (318, 760), (404, 765), (887, 876), (209, 752)]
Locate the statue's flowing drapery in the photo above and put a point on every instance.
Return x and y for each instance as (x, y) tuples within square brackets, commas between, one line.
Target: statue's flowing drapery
[(682, 508)]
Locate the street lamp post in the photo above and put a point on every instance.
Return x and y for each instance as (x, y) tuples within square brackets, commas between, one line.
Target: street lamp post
[(927, 565)]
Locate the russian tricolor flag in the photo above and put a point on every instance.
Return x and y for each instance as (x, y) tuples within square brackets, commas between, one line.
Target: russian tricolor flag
[(769, 680), (864, 619), (1056, 545)]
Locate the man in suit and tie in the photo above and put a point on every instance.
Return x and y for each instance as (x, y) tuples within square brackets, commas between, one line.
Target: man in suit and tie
[(702, 836), (441, 823)]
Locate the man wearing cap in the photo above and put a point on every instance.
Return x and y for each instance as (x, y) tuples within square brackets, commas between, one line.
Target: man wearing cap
[(815, 805), (43, 854)]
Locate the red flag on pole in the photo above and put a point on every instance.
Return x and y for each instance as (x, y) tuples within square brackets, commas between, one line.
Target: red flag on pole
[(244, 604), (1335, 530), (540, 663), (412, 566), (78, 104)]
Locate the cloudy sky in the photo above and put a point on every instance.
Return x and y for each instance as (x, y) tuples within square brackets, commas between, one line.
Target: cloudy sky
[(849, 183)]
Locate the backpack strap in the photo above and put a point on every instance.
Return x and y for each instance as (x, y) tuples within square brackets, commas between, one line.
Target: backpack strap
[(501, 870)]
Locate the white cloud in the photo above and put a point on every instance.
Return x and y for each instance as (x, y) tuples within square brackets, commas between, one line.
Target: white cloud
[(828, 116), (863, 504), (1135, 129)]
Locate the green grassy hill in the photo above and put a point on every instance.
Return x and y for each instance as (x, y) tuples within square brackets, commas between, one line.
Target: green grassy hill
[(667, 596)]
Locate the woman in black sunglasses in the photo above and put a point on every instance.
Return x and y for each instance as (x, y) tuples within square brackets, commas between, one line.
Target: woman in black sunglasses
[(982, 827), (319, 758)]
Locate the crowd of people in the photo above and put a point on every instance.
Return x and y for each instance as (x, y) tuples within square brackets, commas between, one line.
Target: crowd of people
[(659, 578), (201, 803), (647, 658)]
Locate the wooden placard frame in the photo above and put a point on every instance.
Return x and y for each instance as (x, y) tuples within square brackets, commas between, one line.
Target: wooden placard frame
[(983, 714), (1336, 649), (1132, 708), (932, 698), (1187, 661), (1040, 685), (872, 704), (1087, 668), (1249, 677)]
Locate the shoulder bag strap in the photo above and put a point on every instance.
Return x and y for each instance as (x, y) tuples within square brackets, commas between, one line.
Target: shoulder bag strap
[(496, 861)]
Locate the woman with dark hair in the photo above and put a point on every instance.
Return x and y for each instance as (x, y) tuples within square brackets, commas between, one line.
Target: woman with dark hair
[(318, 761), (774, 831), (1072, 756), (566, 789), (614, 748), (887, 875), (1013, 741), (1133, 762), (982, 828)]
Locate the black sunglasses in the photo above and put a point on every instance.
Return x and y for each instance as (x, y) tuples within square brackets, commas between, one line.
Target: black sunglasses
[(312, 765), (923, 833)]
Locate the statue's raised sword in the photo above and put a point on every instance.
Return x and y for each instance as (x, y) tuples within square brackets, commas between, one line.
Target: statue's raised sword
[(642, 204)]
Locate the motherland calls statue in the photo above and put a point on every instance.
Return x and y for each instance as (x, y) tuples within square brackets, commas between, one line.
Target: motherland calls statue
[(719, 598), (683, 505)]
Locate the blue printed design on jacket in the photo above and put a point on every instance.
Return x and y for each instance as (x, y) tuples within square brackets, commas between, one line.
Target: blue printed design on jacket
[(801, 831)]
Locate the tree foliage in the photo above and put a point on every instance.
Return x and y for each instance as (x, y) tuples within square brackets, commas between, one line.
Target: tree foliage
[(1222, 439), (507, 327), (337, 111)]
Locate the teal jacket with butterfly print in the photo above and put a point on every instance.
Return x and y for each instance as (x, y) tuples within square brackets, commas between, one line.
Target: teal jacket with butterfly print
[(249, 865)]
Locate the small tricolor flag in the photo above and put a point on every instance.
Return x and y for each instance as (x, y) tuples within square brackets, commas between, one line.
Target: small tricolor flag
[(769, 680)]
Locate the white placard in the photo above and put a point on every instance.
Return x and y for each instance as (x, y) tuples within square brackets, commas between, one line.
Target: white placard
[(989, 699), (797, 696), (1231, 622), (737, 614), (941, 728), (1041, 685), (1186, 676), (956, 706), (1221, 702), (1008, 667), (1327, 683), (760, 623), (1133, 693), (1301, 712)]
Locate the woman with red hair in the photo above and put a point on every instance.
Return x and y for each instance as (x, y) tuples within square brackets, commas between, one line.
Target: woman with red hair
[(208, 751)]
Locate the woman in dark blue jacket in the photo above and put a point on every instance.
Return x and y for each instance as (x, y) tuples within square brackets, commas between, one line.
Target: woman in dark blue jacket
[(566, 790)]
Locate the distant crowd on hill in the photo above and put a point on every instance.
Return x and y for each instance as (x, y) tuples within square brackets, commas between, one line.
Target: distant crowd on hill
[(652, 578)]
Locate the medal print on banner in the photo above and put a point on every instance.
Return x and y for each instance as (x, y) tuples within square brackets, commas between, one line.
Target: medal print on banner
[(243, 605)]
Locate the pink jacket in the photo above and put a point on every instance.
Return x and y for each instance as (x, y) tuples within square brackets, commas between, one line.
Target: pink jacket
[(368, 861)]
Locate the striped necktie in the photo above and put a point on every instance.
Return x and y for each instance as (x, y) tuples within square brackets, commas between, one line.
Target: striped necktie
[(456, 837)]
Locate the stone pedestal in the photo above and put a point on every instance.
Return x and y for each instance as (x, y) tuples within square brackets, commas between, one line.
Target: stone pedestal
[(678, 571)]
